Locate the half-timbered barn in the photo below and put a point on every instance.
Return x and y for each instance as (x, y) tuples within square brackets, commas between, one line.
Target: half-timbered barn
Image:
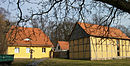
[(94, 42)]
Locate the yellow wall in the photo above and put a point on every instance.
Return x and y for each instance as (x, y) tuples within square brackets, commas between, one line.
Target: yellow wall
[(102, 48), (36, 54), (98, 48), (125, 48)]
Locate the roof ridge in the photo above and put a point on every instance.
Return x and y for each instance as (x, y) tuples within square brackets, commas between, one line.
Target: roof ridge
[(98, 25), (24, 27)]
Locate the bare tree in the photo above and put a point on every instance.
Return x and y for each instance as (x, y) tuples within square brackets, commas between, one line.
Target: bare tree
[(60, 10), (4, 26), (62, 32), (124, 29)]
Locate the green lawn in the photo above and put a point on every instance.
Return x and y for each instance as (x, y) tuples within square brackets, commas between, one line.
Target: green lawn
[(67, 62), (21, 62)]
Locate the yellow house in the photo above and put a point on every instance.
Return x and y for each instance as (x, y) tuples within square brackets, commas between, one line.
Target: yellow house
[(28, 43), (94, 42)]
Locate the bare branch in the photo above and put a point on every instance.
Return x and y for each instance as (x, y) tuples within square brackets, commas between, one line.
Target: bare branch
[(20, 17), (120, 4), (42, 11)]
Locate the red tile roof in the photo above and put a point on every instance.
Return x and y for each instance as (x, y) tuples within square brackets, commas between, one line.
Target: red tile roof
[(104, 31), (17, 35), (64, 45)]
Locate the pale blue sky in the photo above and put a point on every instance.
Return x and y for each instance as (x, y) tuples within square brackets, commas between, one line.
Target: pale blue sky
[(125, 20)]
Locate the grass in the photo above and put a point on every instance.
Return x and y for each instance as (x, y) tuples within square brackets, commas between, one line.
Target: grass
[(68, 62), (21, 62)]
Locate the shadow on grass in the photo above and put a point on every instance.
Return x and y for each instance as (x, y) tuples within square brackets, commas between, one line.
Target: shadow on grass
[(21, 62)]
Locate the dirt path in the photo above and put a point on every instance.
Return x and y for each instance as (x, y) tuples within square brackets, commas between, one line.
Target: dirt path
[(36, 62)]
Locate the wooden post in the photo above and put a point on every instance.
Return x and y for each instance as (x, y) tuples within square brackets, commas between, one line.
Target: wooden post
[(122, 47), (106, 48), (96, 47), (86, 48), (73, 50), (78, 48), (125, 49), (101, 47), (128, 47), (119, 47), (83, 48), (90, 48), (111, 49)]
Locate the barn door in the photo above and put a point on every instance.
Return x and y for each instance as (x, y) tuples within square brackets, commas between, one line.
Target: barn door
[(118, 48)]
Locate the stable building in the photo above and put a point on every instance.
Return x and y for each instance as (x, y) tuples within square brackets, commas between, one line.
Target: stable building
[(94, 42), (62, 46), (26, 42), (62, 50)]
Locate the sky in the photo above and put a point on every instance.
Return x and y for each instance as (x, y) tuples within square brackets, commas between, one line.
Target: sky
[(12, 8)]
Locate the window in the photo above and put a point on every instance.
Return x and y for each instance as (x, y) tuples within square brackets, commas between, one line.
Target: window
[(43, 50), (117, 41), (58, 47), (118, 48), (27, 50), (16, 50)]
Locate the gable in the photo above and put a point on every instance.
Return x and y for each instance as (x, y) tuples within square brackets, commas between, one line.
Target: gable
[(78, 33), (57, 47)]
